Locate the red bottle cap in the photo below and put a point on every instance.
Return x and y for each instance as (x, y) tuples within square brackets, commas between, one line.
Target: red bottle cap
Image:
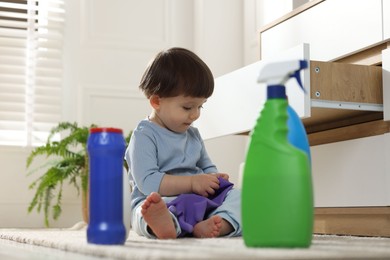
[(106, 130)]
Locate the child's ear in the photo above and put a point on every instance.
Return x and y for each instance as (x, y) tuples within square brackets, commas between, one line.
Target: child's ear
[(155, 101)]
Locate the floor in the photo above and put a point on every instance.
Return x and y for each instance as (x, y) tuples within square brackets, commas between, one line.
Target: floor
[(10, 250)]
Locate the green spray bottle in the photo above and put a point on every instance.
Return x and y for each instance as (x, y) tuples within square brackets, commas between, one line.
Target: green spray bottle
[(277, 194)]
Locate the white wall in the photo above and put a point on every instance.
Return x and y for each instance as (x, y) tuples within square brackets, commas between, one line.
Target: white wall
[(15, 194), (107, 46)]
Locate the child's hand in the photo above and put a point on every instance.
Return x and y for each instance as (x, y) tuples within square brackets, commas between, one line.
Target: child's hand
[(204, 184), (223, 176)]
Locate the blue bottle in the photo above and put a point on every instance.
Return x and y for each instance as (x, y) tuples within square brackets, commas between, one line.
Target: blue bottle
[(106, 148), (297, 135)]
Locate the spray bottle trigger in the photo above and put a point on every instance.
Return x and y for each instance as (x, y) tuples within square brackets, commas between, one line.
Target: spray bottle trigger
[(297, 75)]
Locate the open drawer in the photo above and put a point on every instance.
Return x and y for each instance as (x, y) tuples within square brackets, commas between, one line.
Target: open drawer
[(350, 98), (341, 94)]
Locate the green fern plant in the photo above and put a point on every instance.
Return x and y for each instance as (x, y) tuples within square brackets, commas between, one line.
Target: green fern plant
[(67, 162)]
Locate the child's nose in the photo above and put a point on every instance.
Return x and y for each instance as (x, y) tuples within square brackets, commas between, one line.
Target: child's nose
[(195, 114)]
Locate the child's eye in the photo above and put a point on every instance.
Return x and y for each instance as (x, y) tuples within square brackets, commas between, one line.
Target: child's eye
[(189, 108)]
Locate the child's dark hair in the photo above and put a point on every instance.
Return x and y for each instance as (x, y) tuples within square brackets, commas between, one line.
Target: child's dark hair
[(175, 72)]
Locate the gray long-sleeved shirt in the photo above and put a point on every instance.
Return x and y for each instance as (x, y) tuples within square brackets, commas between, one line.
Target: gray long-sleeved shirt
[(154, 151)]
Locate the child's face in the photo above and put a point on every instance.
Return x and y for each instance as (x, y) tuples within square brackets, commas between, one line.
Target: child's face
[(178, 113)]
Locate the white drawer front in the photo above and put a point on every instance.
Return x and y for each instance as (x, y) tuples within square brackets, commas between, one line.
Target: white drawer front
[(352, 173), (333, 29), (238, 98)]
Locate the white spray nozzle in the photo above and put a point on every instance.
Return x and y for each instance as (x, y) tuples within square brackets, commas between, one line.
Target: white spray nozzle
[(278, 73)]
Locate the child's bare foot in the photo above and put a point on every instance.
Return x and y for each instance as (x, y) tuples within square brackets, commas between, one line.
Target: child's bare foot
[(210, 227), (155, 212), (226, 228)]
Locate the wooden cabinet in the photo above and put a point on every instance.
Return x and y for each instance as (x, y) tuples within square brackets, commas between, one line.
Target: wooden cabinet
[(338, 35), (348, 125)]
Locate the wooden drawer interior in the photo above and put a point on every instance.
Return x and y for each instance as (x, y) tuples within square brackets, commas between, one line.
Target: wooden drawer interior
[(347, 98)]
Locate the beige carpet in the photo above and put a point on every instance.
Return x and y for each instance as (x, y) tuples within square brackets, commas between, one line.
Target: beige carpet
[(136, 247)]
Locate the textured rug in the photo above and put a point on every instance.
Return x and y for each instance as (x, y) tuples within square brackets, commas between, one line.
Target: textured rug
[(136, 247)]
